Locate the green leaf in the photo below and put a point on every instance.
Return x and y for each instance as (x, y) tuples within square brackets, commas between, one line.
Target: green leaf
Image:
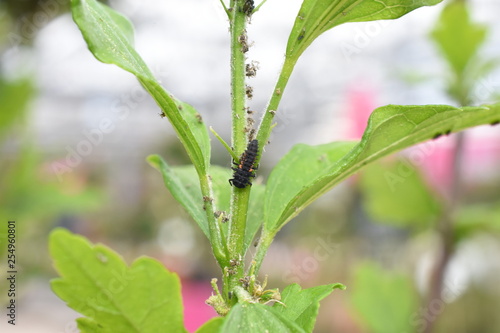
[(211, 326), (395, 193), (96, 282), (390, 128), (302, 305), (318, 16), (387, 302), (257, 318), (301, 166), (457, 36), (86, 325), (109, 37), (183, 184), (186, 191)]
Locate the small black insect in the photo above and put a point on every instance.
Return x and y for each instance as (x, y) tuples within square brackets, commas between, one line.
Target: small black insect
[(248, 7), (245, 169)]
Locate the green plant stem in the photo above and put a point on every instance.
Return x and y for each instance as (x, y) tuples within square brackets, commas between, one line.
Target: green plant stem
[(218, 246), (266, 125), (264, 242), (239, 197)]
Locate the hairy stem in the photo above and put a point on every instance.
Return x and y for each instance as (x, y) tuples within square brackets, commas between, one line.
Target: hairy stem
[(239, 197), (218, 245), (264, 242), (265, 126)]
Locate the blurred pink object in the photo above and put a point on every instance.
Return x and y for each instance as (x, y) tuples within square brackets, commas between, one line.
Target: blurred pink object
[(479, 164), (196, 312), (481, 151), (361, 101)]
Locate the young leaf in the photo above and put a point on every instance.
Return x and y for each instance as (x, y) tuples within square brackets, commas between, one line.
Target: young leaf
[(387, 302), (257, 318), (211, 326), (181, 182), (109, 37), (301, 305), (185, 190), (96, 282), (395, 193), (457, 36), (318, 16), (390, 128)]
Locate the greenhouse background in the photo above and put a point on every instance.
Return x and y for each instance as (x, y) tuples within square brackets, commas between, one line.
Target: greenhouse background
[(75, 134)]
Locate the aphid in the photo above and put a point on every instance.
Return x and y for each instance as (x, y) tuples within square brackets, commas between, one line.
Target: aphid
[(302, 34), (199, 118), (437, 135), (496, 122), (251, 134), (251, 69), (249, 91), (250, 121), (162, 115), (245, 169)]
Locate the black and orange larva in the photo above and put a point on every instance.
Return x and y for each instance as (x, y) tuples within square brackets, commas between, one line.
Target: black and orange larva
[(245, 169)]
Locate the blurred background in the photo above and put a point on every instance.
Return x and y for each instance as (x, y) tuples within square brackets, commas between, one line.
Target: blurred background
[(415, 237)]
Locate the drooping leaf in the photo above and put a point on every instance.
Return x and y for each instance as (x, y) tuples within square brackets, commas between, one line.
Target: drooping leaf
[(390, 128), (318, 16), (457, 36), (185, 188), (96, 282), (257, 318), (109, 36), (395, 193), (211, 326), (301, 305), (386, 302)]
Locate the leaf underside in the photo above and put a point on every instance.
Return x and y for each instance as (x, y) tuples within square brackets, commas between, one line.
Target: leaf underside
[(390, 128)]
